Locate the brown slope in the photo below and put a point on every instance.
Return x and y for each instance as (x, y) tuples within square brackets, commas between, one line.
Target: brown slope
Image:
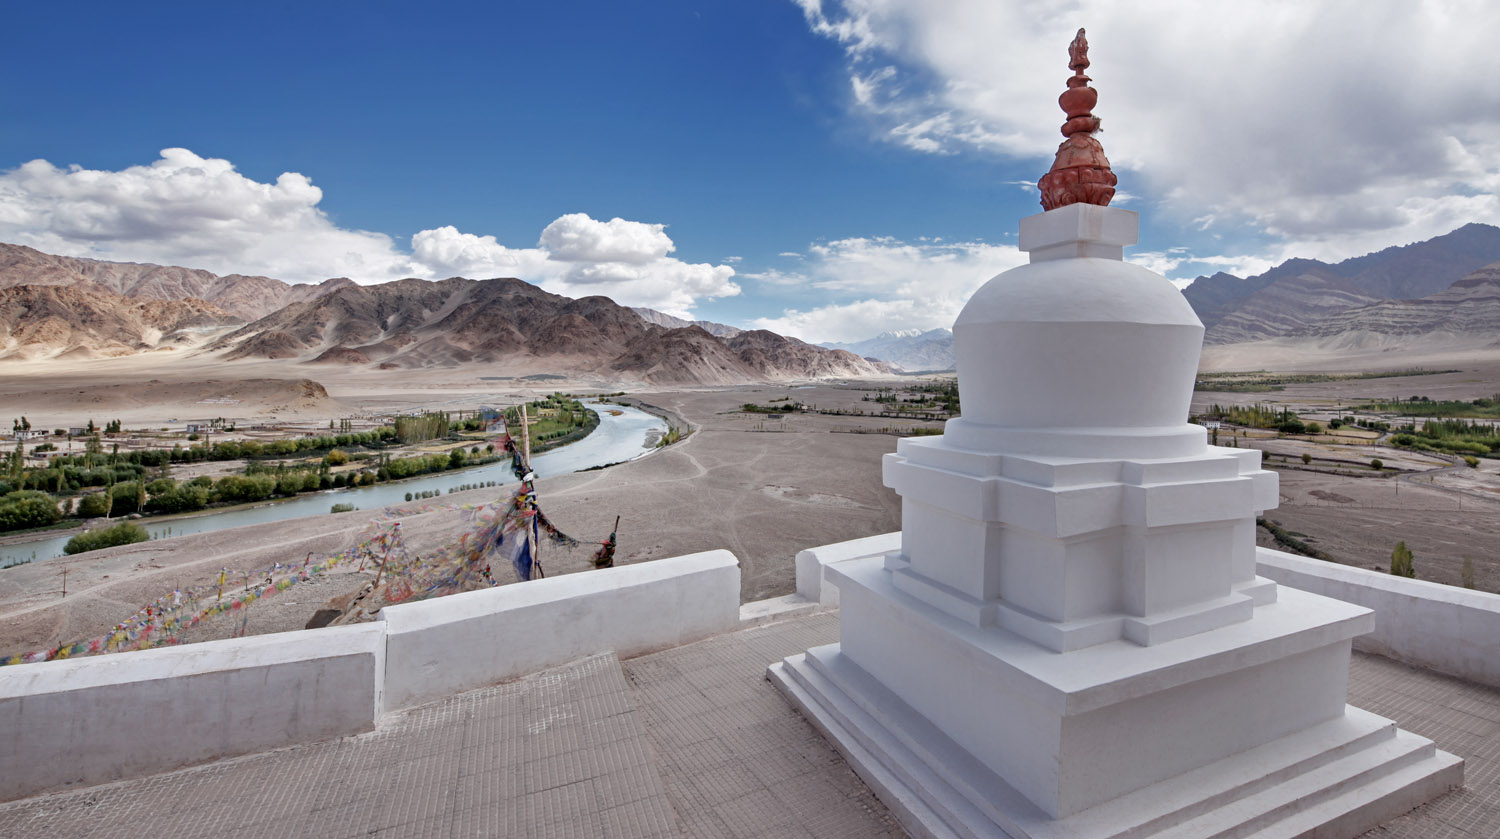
[(1424, 268), (718, 330), (249, 297), (681, 356), (353, 316), (1287, 306), (415, 324), (43, 321), (773, 356), (1471, 305)]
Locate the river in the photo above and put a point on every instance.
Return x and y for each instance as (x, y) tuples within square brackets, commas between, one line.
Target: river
[(616, 439)]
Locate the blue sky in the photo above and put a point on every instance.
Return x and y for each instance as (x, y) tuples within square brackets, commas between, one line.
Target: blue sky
[(829, 170)]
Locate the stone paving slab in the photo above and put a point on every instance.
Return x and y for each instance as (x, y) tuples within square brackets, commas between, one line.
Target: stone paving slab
[(562, 753), (691, 741), (737, 760), (1462, 718)]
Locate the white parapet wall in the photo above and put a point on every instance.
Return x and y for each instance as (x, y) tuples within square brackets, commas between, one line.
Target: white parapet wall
[(1429, 625), (92, 720), (439, 647), (811, 563)]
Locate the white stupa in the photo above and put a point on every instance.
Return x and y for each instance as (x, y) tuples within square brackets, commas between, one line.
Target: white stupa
[(1072, 640)]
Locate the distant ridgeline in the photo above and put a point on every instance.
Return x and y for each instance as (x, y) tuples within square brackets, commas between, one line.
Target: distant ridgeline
[(1448, 285)]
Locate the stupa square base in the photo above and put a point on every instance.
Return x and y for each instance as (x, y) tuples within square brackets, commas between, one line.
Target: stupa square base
[(1075, 551), (974, 731)]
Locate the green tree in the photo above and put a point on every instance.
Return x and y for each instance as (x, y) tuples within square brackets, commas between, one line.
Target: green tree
[(123, 533), (1466, 572), (27, 508), (94, 505), (1401, 561), (1306, 458)]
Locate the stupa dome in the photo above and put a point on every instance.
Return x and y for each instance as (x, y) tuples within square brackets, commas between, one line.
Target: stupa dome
[(1078, 353)]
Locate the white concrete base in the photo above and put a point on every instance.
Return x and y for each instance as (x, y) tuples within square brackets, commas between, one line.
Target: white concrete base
[(812, 562), (976, 731), (1436, 627), (93, 720), (446, 645), (1337, 779)]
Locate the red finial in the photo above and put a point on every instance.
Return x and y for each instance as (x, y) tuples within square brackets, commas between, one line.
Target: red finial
[(1080, 174)]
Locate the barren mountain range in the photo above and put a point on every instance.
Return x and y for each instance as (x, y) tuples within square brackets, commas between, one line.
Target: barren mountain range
[(719, 330), (908, 350), (1305, 298), (1445, 289), (87, 320), (1471, 305), (52, 306), (247, 297)]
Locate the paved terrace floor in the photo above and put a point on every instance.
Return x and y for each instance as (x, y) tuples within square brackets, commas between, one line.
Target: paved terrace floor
[(690, 742)]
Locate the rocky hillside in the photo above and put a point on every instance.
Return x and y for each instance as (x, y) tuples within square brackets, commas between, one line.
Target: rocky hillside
[(1471, 305), (718, 330), (1287, 306), (1290, 298), (54, 305), (39, 321), (415, 324), (247, 297), (1424, 268)]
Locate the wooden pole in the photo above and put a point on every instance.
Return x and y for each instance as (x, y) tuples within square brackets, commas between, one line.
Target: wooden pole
[(65, 582), (536, 558), (380, 571), (525, 438)]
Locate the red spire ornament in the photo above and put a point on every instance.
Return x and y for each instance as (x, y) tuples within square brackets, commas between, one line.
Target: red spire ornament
[(1080, 174)]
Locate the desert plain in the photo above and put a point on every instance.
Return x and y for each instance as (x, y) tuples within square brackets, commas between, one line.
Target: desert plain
[(763, 486)]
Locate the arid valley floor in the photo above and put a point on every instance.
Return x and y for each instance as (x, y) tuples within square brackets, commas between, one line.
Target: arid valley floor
[(761, 486)]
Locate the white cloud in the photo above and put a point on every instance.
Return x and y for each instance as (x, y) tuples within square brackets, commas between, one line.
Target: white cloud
[(776, 276), (883, 284), (444, 250), (199, 212), (1180, 261), (667, 285), (577, 238), (661, 282), (1337, 127), (188, 210)]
